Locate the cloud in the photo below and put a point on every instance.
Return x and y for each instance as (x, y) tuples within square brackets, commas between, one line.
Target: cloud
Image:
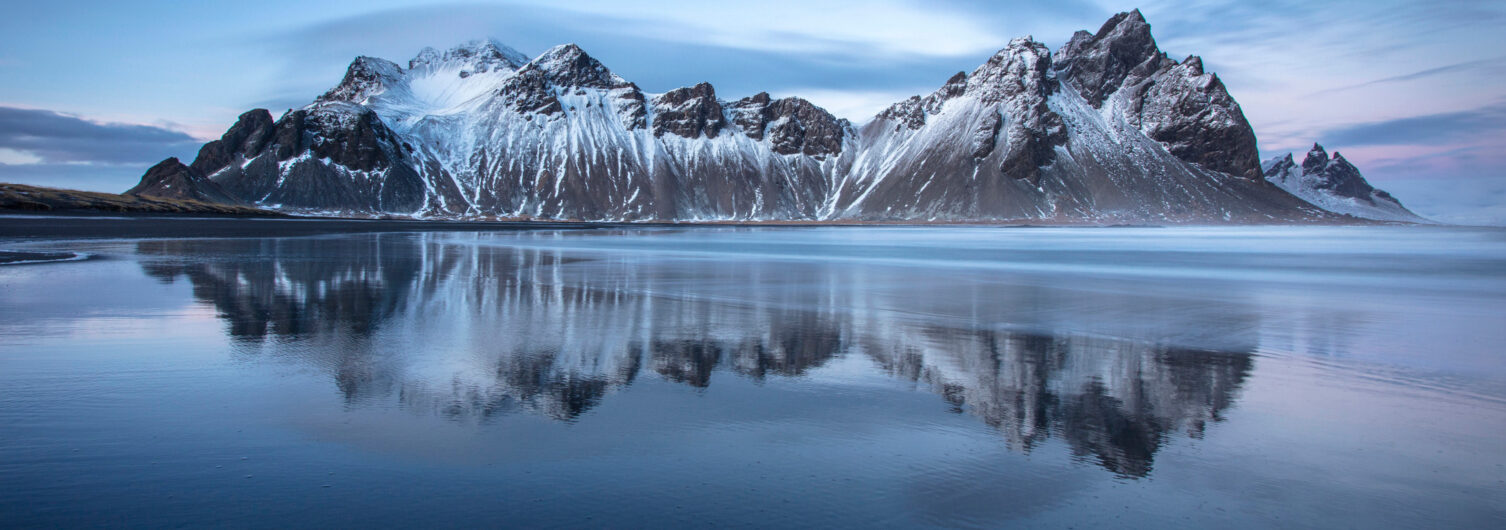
[(1450, 162), (12, 156), (1466, 66), (47, 137), (1431, 129)]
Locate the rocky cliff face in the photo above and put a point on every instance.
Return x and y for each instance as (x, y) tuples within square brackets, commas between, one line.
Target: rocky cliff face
[(1177, 104), (1107, 129), (1335, 185), (330, 156), (170, 179), (792, 125)]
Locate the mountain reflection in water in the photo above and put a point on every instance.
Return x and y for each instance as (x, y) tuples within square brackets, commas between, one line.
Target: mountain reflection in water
[(470, 326)]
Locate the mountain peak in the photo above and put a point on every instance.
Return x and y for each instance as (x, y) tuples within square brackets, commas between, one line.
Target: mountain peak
[(1316, 160), (1101, 63), (251, 131), (1022, 66), (569, 65), (366, 76), (1130, 25), (568, 49), (475, 56), (1195, 63)]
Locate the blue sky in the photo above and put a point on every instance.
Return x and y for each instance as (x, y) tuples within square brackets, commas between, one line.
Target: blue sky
[(94, 92)]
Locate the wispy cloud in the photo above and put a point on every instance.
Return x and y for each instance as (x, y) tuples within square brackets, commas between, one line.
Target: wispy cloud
[(1467, 66), (47, 137), (1430, 129)]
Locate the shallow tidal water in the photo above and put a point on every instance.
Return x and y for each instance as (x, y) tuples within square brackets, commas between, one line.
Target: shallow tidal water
[(814, 376)]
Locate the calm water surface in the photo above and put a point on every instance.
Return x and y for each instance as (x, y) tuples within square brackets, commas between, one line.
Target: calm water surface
[(1044, 377)]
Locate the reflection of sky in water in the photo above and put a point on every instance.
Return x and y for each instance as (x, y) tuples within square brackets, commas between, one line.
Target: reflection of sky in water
[(652, 355)]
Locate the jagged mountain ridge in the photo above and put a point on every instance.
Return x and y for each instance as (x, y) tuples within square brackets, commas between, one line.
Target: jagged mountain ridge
[(1334, 184), (1023, 137), (1106, 129)]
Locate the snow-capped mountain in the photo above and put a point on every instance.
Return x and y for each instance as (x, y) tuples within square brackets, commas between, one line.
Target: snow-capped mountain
[(1335, 185), (1107, 129)]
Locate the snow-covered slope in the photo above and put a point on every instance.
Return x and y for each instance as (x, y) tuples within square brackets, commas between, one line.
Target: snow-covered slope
[(1335, 185), (1106, 130)]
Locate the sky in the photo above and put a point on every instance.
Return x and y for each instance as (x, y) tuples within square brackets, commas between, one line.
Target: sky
[(1413, 92)]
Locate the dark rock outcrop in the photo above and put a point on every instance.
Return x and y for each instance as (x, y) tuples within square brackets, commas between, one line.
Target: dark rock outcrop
[(1315, 161), (1188, 111), (570, 66), (250, 134), (689, 112), (792, 125), (751, 114), (529, 91), (1192, 114), (911, 113), (1121, 53), (170, 179), (1345, 179), (330, 156), (536, 86), (1019, 80)]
